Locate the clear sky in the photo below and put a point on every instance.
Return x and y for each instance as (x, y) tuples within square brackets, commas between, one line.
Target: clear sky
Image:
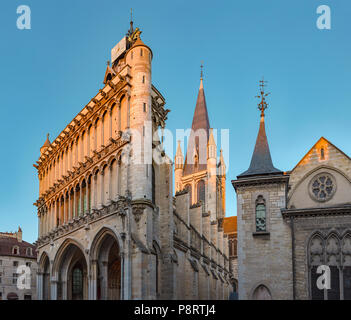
[(50, 72)]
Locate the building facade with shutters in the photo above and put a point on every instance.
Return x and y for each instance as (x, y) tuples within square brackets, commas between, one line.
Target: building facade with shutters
[(17, 257), (290, 223), (109, 226)]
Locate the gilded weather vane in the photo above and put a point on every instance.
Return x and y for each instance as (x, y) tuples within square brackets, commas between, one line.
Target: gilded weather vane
[(262, 106)]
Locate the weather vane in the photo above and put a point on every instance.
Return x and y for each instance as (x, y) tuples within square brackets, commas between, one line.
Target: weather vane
[(262, 106)]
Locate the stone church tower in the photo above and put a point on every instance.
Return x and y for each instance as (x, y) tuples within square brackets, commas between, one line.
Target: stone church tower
[(264, 241), (109, 226), (200, 173)]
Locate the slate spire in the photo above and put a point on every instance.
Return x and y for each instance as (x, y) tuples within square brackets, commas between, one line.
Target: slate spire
[(199, 134), (261, 161)]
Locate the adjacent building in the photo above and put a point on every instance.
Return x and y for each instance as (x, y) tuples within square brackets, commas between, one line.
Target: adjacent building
[(109, 225), (17, 259), (290, 223), (230, 229)]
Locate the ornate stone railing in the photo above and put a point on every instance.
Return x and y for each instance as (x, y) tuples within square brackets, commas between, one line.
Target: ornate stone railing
[(118, 207)]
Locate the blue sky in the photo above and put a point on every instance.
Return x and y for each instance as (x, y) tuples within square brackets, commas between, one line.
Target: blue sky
[(50, 72)]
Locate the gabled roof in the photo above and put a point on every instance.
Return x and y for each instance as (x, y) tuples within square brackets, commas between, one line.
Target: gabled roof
[(200, 121), (261, 161), (321, 139)]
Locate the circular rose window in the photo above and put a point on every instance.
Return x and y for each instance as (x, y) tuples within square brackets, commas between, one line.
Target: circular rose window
[(322, 187)]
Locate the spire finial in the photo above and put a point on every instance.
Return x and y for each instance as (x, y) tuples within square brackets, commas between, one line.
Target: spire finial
[(108, 63), (47, 135), (201, 73), (262, 106), (131, 21)]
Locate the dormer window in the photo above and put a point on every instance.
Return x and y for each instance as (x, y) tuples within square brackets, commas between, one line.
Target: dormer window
[(15, 250), (29, 252)]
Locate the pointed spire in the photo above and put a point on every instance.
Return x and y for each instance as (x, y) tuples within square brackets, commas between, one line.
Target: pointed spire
[(179, 157), (261, 161), (179, 150), (221, 164), (199, 135), (47, 142)]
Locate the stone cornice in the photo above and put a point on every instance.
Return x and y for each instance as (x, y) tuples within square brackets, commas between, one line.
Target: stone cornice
[(118, 207), (260, 180), (314, 212)]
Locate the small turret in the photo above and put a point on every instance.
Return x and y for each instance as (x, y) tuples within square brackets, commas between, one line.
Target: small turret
[(46, 145), (211, 146), (178, 168)]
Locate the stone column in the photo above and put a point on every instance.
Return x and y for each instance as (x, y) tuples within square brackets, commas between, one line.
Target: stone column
[(87, 196), (77, 153), (81, 200), (93, 191), (39, 225), (110, 113), (53, 288), (39, 285), (101, 191), (70, 157), (54, 216), (128, 111), (64, 220), (69, 206), (88, 142), (95, 136), (92, 289), (102, 129), (74, 203), (109, 173)]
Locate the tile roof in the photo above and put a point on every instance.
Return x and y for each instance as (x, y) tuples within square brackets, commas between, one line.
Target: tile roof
[(230, 224), (7, 244)]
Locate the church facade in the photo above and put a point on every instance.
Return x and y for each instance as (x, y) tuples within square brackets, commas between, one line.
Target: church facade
[(290, 223), (109, 225)]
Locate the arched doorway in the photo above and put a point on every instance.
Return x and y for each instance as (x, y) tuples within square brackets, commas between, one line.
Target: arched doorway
[(107, 253), (262, 293), (71, 269), (12, 296), (46, 278)]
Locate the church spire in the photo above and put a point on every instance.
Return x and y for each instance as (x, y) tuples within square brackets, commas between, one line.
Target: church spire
[(199, 135), (261, 161)]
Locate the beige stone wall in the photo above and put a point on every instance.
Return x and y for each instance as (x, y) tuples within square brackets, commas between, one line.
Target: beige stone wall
[(262, 258), (8, 283), (335, 162)]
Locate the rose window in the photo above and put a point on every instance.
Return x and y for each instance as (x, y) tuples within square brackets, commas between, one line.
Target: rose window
[(322, 187)]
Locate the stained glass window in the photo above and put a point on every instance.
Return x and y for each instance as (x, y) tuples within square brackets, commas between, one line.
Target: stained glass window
[(77, 281), (260, 214)]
